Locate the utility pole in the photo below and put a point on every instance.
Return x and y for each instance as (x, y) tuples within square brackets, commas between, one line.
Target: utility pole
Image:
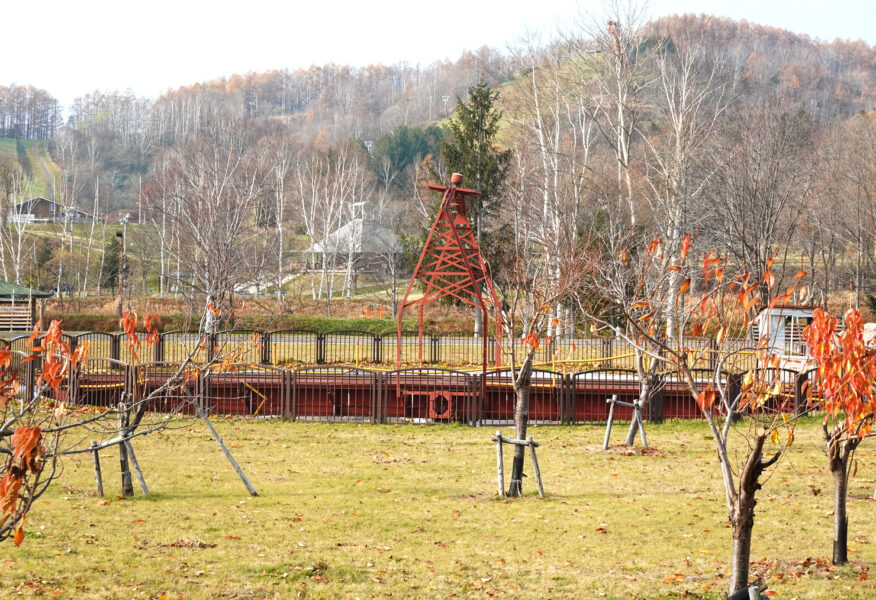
[(122, 235)]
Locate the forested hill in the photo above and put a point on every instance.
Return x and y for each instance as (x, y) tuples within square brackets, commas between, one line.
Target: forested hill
[(115, 136), (828, 79)]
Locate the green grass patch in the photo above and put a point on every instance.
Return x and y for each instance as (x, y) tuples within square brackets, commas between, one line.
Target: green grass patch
[(9, 149), (361, 511)]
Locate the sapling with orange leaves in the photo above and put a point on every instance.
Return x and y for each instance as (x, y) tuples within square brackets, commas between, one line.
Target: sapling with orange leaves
[(738, 390), (34, 423), (846, 380), (39, 412)]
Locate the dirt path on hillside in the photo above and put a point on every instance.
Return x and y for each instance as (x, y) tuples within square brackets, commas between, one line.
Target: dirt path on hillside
[(49, 183)]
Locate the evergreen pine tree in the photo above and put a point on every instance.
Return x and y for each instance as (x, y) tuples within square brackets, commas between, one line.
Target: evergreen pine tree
[(470, 149)]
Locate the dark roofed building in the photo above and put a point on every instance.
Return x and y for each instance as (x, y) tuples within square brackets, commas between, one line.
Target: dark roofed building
[(44, 210), (18, 305)]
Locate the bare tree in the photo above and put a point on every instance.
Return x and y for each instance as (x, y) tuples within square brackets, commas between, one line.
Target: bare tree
[(855, 175), (555, 131), (766, 165), (281, 157), (328, 181), (208, 188), (611, 68), (14, 237), (688, 101)]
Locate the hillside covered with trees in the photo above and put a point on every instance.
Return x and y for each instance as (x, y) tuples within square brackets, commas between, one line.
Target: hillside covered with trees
[(760, 140)]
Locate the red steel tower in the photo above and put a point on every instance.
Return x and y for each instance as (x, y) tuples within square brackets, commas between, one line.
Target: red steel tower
[(451, 264)]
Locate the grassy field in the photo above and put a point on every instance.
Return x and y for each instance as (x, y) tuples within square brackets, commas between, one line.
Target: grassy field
[(351, 511), (9, 150)]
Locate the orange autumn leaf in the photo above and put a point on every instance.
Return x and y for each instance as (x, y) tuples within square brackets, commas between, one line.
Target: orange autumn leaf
[(25, 443), (19, 536), (685, 246), (706, 399)]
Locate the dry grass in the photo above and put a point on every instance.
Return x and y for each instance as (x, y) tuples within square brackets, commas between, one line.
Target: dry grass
[(351, 511)]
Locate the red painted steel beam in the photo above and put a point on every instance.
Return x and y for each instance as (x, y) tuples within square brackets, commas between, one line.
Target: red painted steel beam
[(451, 264)]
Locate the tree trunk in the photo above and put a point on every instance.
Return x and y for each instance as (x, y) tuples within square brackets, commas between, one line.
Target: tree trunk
[(742, 512), (840, 518), (839, 453), (127, 482), (646, 384), (644, 394), (742, 520), (521, 419)]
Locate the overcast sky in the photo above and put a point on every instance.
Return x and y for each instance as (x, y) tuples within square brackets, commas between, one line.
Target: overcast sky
[(71, 47)]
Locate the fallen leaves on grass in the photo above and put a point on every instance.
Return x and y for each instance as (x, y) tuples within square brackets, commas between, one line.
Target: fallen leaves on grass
[(187, 543)]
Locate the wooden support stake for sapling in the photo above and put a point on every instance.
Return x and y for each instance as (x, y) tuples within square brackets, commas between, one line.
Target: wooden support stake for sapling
[(535, 468), (610, 421), (136, 466), (97, 475), (638, 412), (500, 468), (637, 417), (127, 484), (203, 417)]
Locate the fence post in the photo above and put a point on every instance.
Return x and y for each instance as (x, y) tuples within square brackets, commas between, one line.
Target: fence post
[(800, 386), (158, 355), (568, 415), (32, 367), (293, 395), (284, 395), (478, 385), (734, 389), (377, 397), (434, 349), (73, 384), (116, 346), (377, 349), (320, 348), (657, 402), (265, 348), (212, 342), (713, 354), (606, 349), (73, 341)]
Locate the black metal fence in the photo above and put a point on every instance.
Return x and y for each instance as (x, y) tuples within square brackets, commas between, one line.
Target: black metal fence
[(294, 348), (335, 376)]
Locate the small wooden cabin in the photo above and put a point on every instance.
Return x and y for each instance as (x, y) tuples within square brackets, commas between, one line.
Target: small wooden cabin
[(783, 325), (18, 305)]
